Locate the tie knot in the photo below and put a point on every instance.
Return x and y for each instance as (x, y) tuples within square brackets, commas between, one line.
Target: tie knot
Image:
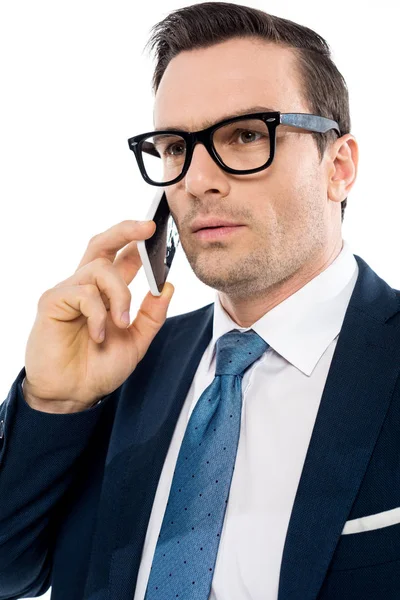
[(236, 351)]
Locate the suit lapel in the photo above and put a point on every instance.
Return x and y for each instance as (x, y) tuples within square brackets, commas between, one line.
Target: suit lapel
[(354, 403)]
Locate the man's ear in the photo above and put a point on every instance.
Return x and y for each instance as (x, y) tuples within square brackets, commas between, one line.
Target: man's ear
[(342, 167)]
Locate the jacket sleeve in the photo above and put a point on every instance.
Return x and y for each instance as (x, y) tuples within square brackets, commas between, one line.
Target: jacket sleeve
[(38, 453)]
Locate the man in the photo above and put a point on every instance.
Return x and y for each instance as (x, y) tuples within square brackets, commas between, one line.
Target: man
[(291, 489)]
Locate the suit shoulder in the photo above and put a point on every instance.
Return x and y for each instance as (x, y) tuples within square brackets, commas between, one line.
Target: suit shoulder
[(182, 318)]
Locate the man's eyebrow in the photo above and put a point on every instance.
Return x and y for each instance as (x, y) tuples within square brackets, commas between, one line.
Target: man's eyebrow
[(209, 123)]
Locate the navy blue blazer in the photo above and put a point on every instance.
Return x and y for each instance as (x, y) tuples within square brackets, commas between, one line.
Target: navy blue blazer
[(76, 490)]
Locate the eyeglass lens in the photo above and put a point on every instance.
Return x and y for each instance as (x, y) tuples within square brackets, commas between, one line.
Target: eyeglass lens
[(242, 145)]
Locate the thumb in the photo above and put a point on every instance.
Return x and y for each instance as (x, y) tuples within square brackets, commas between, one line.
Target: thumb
[(168, 291), (150, 318)]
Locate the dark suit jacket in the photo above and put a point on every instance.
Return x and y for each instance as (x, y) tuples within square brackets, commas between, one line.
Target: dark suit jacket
[(76, 490)]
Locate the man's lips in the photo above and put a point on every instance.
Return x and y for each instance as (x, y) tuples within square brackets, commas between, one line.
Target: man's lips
[(211, 222), (215, 233)]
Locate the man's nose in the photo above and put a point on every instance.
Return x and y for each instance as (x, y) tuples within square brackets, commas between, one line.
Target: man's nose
[(204, 176)]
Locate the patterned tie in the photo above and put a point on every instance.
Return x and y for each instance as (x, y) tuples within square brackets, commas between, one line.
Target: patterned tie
[(187, 546)]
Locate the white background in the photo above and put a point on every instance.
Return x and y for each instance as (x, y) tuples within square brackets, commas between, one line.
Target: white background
[(75, 85)]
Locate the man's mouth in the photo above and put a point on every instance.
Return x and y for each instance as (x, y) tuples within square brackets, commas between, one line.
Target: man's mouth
[(218, 232)]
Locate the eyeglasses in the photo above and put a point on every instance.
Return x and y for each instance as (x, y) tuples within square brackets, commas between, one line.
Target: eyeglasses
[(239, 145)]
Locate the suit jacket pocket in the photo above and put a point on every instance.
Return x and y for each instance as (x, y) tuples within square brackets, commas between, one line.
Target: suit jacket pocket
[(382, 519), (367, 548)]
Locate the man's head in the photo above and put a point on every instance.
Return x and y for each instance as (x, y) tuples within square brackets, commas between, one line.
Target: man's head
[(213, 60)]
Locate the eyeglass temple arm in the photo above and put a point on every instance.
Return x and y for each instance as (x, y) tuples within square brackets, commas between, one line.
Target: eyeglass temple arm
[(150, 149), (146, 147), (311, 122)]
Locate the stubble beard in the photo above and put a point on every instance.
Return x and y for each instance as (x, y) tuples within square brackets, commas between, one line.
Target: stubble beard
[(253, 273)]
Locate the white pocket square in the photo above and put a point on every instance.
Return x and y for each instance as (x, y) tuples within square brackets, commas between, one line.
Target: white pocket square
[(377, 521)]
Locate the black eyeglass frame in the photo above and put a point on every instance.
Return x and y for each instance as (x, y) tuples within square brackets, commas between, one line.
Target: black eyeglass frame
[(205, 136)]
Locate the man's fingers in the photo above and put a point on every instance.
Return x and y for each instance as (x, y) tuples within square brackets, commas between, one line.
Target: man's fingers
[(150, 318), (108, 243), (128, 262)]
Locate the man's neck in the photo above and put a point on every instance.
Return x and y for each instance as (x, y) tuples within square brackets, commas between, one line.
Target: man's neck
[(246, 311)]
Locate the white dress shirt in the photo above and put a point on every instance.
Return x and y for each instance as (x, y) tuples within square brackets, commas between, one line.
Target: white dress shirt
[(281, 393)]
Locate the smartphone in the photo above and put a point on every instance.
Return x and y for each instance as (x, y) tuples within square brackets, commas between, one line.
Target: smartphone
[(157, 252)]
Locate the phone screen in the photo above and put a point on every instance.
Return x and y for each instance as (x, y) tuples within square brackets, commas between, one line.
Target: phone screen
[(162, 246)]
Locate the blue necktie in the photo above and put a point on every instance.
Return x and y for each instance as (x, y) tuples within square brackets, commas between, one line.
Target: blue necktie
[(187, 546)]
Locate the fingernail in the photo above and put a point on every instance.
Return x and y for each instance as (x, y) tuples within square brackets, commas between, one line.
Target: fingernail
[(125, 318), (168, 290)]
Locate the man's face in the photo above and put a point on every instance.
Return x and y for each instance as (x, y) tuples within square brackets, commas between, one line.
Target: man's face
[(286, 216)]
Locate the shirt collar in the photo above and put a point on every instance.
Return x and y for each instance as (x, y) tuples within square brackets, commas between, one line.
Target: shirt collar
[(302, 326)]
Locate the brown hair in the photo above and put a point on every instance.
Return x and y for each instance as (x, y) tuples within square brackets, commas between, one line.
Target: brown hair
[(202, 25)]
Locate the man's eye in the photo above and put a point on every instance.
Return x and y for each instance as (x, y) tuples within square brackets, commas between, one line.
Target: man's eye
[(176, 149), (247, 136)]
